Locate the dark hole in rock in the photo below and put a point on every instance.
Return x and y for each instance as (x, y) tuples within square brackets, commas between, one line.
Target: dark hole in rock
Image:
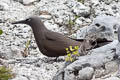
[(103, 28), (116, 56), (98, 25), (115, 31), (115, 26), (103, 66), (86, 65), (93, 42), (102, 42), (76, 72)]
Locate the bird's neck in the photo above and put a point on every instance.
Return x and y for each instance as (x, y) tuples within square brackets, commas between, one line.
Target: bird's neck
[(39, 31), (39, 34)]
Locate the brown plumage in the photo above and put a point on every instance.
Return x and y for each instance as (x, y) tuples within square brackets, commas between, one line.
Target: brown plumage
[(51, 44)]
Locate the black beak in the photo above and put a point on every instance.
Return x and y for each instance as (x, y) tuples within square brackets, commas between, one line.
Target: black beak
[(19, 22)]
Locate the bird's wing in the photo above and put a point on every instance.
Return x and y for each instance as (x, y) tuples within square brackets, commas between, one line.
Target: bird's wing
[(58, 36), (53, 36), (56, 42), (80, 40)]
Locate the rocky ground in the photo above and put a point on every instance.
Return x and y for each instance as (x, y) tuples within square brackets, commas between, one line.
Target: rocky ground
[(68, 17)]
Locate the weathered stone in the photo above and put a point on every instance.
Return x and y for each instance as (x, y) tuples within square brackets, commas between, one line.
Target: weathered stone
[(10, 53), (46, 16), (99, 72), (86, 73), (112, 78), (34, 67), (102, 27), (96, 59), (20, 78), (26, 2), (110, 67), (4, 6)]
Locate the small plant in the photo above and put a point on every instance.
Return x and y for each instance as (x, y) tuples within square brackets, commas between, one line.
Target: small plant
[(1, 31), (25, 53), (5, 73), (82, 1), (71, 53), (71, 23)]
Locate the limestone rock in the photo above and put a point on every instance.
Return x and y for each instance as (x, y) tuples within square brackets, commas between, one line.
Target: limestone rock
[(102, 27), (112, 78), (86, 73), (4, 6), (26, 2), (96, 60), (20, 78)]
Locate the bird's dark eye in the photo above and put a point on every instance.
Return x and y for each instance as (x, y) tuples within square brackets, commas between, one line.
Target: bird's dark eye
[(28, 19)]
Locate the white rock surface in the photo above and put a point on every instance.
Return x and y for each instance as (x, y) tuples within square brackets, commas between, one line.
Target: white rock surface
[(112, 78), (56, 18), (20, 78), (96, 60), (4, 6), (102, 27), (86, 73)]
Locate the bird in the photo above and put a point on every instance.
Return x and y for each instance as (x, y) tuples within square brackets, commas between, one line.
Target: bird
[(50, 43)]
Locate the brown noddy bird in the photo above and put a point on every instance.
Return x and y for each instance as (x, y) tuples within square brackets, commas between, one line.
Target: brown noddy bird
[(51, 44)]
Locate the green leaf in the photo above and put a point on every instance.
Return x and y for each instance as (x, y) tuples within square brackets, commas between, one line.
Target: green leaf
[(5, 73), (1, 31)]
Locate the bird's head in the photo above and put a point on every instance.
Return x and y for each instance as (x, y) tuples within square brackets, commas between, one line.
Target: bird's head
[(29, 21)]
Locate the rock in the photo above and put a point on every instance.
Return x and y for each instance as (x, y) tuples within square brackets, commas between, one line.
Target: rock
[(118, 45), (26, 2), (78, 21), (102, 27), (81, 10), (95, 2), (95, 59), (86, 73), (20, 78), (51, 26), (78, 8), (110, 67), (112, 78), (59, 21), (99, 72), (34, 67), (10, 53), (118, 49), (107, 47), (31, 71), (46, 16), (4, 6), (108, 1)]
